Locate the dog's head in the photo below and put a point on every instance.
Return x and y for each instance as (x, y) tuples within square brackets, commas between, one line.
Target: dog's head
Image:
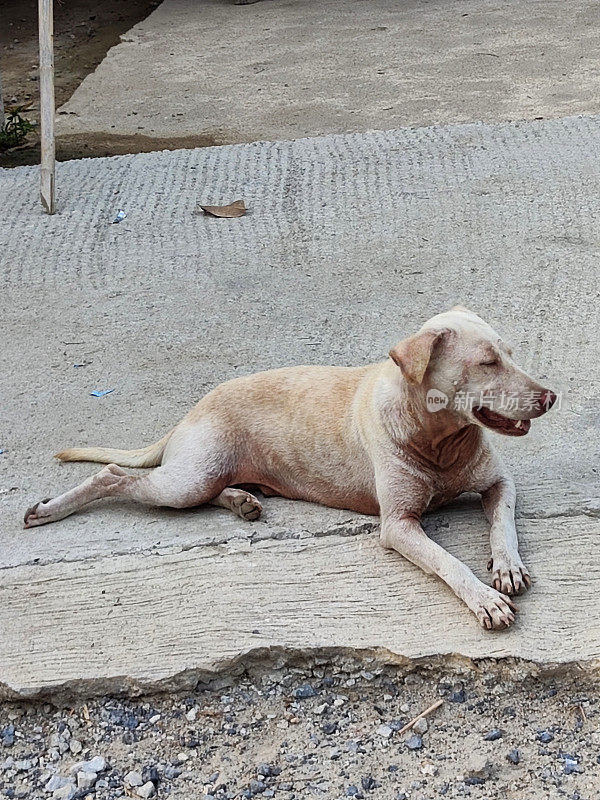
[(463, 367)]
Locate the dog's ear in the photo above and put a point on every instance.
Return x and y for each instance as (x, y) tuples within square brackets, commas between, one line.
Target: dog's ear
[(461, 308), (412, 355)]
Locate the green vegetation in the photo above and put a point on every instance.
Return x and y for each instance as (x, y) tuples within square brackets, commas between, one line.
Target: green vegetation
[(17, 127)]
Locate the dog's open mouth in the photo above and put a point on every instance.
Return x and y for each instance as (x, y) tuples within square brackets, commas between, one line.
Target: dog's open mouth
[(500, 424)]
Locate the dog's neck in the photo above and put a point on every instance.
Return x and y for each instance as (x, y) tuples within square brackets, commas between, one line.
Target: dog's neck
[(440, 439), (445, 448)]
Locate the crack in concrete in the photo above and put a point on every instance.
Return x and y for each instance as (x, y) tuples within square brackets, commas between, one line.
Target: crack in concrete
[(348, 527), (593, 513)]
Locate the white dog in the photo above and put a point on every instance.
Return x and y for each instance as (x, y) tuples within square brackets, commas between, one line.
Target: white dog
[(393, 438)]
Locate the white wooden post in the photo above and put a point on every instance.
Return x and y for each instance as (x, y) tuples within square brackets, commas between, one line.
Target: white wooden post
[(46, 32)]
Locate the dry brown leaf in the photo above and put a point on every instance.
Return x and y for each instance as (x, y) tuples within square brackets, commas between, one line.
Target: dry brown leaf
[(235, 209)]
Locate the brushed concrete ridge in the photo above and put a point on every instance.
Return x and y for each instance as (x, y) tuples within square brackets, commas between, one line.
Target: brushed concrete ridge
[(350, 243)]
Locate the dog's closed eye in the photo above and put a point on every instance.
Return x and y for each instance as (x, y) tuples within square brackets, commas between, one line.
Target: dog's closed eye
[(491, 363)]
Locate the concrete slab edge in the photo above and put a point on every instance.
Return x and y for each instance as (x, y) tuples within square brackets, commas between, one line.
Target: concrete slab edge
[(269, 660)]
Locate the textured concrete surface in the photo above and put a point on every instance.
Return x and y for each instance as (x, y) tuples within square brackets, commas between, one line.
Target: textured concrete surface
[(213, 72), (350, 242)]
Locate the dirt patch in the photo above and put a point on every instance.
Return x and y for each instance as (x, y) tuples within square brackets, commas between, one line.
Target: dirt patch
[(92, 145), (84, 31)]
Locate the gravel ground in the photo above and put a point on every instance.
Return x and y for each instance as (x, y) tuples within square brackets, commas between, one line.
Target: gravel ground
[(315, 732)]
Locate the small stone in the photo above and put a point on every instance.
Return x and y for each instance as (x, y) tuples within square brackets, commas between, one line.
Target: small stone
[(66, 792), (479, 770), (65, 732), (545, 737), (571, 766), (85, 780), (24, 766), (329, 727), (256, 787), (268, 770), (53, 740), (192, 714), (405, 708), (304, 692), (352, 791), (384, 731), (429, 769), (151, 774), (172, 772), (414, 742), (182, 757), (146, 791), (514, 756), (95, 764), (75, 746), (368, 783), (153, 720), (493, 735), (56, 782), (7, 735), (124, 719), (420, 726), (133, 779), (457, 697)]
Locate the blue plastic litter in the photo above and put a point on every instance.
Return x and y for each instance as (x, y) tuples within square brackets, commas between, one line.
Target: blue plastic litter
[(101, 392), (120, 216)]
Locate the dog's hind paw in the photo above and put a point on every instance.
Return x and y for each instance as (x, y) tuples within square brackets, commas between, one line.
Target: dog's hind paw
[(509, 577), (37, 514), (494, 610), (248, 507)]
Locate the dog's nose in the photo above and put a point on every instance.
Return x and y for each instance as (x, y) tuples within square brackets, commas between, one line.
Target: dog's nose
[(546, 400)]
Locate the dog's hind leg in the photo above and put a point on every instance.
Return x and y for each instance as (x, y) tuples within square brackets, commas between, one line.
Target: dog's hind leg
[(169, 485)]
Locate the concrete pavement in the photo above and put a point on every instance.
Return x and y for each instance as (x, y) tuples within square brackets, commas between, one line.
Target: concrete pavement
[(350, 242), (196, 73)]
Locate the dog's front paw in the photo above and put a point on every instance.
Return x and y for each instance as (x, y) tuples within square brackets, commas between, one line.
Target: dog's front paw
[(509, 576), (493, 610)]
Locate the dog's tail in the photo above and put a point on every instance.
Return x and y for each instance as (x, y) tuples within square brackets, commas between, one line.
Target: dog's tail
[(144, 457)]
